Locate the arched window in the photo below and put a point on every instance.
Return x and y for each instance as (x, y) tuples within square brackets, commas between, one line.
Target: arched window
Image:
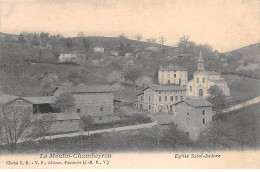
[(200, 92)]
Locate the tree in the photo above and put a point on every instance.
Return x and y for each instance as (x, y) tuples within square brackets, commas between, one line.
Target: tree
[(49, 83), (144, 81), (114, 77), (16, 122), (217, 98), (87, 121), (184, 41), (81, 34), (242, 130), (151, 40), (64, 102), (42, 125), (132, 73), (217, 133), (118, 89), (69, 44), (86, 43), (253, 124), (162, 40), (174, 137), (138, 37)]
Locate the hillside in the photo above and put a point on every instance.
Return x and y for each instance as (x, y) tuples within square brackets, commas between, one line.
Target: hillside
[(248, 52)]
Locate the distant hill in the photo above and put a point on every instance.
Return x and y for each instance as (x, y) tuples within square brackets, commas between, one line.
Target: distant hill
[(250, 51)]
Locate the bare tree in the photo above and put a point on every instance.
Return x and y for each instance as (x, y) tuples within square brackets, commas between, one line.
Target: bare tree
[(162, 40), (139, 37), (151, 40), (16, 122), (81, 34), (87, 121), (217, 133), (184, 41)]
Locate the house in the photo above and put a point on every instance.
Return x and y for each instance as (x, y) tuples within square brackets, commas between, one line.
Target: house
[(159, 98), (203, 80), (99, 49), (41, 106), (114, 52), (192, 116), (70, 57), (172, 75), (128, 55), (95, 100)]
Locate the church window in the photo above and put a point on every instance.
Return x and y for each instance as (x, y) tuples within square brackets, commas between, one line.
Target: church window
[(203, 112), (149, 98), (165, 98), (160, 98), (203, 121)]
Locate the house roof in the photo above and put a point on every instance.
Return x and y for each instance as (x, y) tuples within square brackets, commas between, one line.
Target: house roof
[(173, 67), (87, 88), (196, 102), (167, 88), (6, 98), (40, 100), (61, 116)]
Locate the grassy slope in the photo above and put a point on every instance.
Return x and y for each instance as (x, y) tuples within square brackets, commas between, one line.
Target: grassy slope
[(252, 51)]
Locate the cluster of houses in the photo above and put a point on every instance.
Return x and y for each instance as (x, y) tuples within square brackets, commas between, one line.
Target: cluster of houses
[(175, 99), (94, 100), (183, 101)]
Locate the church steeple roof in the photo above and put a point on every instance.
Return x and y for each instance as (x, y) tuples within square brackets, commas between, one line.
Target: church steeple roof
[(200, 57)]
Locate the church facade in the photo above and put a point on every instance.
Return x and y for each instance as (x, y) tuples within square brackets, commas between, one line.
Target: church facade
[(203, 80)]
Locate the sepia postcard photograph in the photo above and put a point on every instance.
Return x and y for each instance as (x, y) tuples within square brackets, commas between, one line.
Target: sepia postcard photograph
[(129, 84)]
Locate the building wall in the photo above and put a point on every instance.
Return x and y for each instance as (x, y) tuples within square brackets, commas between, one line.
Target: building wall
[(24, 103), (67, 58), (152, 103), (172, 77), (201, 81), (64, 126), (99, 49), (190, 119), (93, 103)]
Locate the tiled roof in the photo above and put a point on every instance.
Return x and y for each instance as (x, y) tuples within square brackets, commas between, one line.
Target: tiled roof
[(40, 100), (167, 88), (87, 88), (196, 102), (5, 98), (61, 116), (171, 67)]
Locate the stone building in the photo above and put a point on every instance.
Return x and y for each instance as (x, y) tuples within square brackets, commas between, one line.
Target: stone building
[(203, 80), (40, 106), (94, 100), (172, 75), (159, 98), (99, 49), (192, 115)]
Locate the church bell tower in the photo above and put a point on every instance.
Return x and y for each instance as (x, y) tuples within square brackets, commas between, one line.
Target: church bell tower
[(201, 62)]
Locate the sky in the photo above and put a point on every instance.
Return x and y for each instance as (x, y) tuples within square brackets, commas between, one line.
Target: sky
[(224, 24)]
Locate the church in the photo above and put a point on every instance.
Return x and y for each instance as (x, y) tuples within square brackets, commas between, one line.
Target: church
[(203, 80)]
